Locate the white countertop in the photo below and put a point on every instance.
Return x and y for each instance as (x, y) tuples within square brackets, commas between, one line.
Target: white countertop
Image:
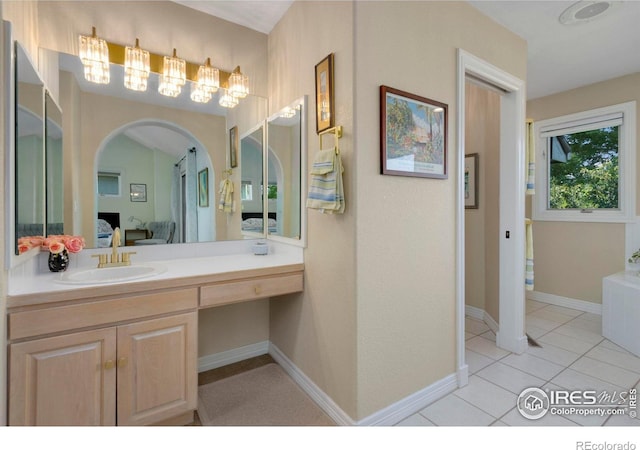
[(629, 277), (38, 281)]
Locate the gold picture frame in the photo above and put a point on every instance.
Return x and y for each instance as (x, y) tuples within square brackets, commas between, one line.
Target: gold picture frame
[(325, 116), (233, 146)]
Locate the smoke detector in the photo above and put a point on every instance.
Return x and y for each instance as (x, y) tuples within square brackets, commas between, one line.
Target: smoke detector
[(586, 11)]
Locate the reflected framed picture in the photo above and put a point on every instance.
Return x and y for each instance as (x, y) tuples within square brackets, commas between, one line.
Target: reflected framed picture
[(324, 94), (471, 181), (138, 192), (413, 135), (203, 188), (233, 146)]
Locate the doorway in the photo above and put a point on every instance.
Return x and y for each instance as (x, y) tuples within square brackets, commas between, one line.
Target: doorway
[(510, 335)]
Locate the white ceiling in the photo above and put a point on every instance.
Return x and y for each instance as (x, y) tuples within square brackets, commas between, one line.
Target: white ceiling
[(560, 57)]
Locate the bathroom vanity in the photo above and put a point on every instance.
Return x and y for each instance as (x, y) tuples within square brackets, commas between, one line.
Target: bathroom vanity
[(125, 353), (621, 310)]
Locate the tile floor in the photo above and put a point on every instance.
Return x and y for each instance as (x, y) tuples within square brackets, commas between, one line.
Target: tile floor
[(574, 355)]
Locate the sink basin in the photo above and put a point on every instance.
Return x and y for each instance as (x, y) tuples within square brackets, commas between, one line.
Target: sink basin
[(112, 274)]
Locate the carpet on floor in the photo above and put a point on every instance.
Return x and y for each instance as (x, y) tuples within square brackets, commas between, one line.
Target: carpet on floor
[(265, 396)]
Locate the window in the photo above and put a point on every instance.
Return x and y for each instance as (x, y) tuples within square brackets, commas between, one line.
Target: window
[(109, 184), (586, 166), (246, 191)]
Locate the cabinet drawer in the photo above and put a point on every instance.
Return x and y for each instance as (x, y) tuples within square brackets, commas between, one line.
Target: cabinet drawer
[(65, 318), (239, 291)]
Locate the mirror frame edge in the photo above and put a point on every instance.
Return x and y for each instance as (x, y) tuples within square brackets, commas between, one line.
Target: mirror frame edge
[(302, 242), (250, 234)]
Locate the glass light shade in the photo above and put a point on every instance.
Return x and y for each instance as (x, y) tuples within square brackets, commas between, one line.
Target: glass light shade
[(208, 78), (199, 95), (94, 55), (173, 75), (288, 113), (227, 100), (238, 85), (136, 68)]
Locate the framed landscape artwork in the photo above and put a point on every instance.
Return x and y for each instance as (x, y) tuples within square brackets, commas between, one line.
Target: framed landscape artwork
[(413, 135), (324, 94), (471, 181)]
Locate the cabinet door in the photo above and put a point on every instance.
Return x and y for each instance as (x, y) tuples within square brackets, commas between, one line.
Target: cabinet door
[(157, 372), (64, 380)]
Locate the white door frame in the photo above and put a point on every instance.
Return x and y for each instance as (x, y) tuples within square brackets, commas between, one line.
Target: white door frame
[(511, 334)]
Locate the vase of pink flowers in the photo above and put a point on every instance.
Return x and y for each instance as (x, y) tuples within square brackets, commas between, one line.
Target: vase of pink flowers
[(59, 247)]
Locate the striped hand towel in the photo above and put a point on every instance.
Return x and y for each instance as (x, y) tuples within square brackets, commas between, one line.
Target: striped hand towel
[(528, 271), (226, 203), (530, 148), (326, 191)]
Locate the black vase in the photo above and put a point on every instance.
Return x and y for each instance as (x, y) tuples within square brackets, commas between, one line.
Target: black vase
[(58, 262)]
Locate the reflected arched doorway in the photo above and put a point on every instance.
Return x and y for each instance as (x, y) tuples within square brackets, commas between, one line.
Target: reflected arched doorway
[(148, 172)]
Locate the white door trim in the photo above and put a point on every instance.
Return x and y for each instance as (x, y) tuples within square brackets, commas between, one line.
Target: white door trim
[(512, 258)]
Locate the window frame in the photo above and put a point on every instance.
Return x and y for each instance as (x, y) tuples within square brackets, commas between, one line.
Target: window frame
[(626, 167)]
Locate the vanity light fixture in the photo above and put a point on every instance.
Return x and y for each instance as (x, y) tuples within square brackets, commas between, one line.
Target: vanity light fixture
[(207, 83), (288, 112), (173, 75), (136, 68), (227, 100), (94, 55), (97, 55), (238, 84)]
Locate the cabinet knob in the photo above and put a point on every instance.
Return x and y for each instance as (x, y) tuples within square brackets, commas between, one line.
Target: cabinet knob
[(122, 362), (257, 290), (109, 364)]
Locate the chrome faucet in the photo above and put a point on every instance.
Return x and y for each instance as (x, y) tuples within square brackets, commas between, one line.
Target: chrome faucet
[(117, 259)]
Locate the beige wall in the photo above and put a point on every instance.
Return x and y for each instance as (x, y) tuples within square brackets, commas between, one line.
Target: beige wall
[(406, 226), (482, 136), (572, 258), (317, 329)]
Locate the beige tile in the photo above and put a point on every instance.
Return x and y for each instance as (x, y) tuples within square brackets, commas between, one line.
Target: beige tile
[(564, 311), (454, 411), (547, 314), (587, 325), (509, 377), (606, 372), (543, 324), (487, 396), (468, 335), (554, 354), (485, 347), (533, 305), (498, 423), (515, 419), (535, 332), (579, 333), (566, 342), (476, 361), (475, 326), (415, 420), (622, 421), (616, 358), (533, 365), (606, 343), (572, 379), (490, 335)]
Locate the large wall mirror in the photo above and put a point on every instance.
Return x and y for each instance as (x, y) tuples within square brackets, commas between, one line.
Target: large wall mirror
[(286, 151), (252, 182), (54, 167), (29, 149), (146, 163)]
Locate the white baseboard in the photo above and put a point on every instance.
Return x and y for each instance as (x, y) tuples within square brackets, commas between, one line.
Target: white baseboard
[(580, 305), (481, 314), (325, 402), (231, 356), (390, 415), (411, 404)]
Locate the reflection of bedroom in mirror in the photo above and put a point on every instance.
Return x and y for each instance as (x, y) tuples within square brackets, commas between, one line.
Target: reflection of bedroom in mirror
[(251, 168), (143, 138), (286, 150)]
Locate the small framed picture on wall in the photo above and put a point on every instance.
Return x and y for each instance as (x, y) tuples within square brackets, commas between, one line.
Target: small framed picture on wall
[(471, 181), (324, 94)]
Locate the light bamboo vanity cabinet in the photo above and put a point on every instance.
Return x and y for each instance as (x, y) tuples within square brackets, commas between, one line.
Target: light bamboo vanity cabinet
[(136, 373)]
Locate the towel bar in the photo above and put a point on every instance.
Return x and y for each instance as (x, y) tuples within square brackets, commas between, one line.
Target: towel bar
[(337, 134)]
